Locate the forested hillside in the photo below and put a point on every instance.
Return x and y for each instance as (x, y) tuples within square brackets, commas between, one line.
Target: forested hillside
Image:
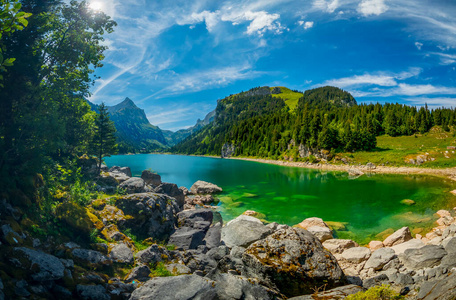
[(326, 118)]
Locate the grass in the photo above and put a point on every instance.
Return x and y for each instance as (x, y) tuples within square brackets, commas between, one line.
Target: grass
[(291, 98), (396, 151)]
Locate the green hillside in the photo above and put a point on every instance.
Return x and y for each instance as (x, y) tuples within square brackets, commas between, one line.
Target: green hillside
[(290, 97)]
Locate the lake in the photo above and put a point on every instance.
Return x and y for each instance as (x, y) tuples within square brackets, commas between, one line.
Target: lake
[(367, 205)]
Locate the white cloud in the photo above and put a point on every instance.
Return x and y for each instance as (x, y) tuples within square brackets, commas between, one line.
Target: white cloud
[(326, 5), (372, 7), (260, 21), (418, 45), (210, 18), (307, 24), (423, 89)]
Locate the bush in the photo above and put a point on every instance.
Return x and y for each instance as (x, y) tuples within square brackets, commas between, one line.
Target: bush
[(383, 292)]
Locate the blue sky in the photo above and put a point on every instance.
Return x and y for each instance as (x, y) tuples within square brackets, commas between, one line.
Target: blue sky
[(175, 58)]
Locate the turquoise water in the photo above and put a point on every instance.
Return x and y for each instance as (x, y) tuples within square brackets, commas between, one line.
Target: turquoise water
[(366, 205)]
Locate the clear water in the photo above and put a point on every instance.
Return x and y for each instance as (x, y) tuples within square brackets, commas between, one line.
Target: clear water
[(366, 205)]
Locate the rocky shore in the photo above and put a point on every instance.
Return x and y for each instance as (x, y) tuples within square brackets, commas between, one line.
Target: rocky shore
[(159, 241)]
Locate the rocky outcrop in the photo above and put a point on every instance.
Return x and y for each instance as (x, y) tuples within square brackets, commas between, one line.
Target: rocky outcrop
[(293, 261), (151, 178), (124, 170), (228, 150), (400, 236), (133, 185)]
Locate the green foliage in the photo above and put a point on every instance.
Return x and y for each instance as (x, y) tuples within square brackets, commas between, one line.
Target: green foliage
[(290, 97), (159, 270), (382, 292)]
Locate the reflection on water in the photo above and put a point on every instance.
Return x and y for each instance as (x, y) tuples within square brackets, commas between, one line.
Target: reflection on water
[(367, 205)]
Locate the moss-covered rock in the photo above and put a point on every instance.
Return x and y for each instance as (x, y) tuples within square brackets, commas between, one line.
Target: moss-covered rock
[(78, 217)]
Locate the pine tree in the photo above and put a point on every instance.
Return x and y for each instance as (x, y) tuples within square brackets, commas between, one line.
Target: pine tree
[(104, 140)]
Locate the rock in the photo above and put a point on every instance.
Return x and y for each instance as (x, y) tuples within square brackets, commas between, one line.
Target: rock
[(201, 200), (178, 269), (228, 150), (333, 294), (375, 281), (371, 166), (171, 190), (10, 236), (310, 222), (442, 289), (90, 258), (78, 217), (243, 231), (133, 185), (189, 218), (355, 172), (179, 287), (411, 244), (218, 253), (322, 233), (152, 215), (356, 255), (124, 170), (187, 238), (152, 255), (337, 246), (293, 261), (379, 258), (43, 267), (151, 178), (375, 245), (450, 245), (408, 202), (203, 187), (92, 292), (112, 215), (121, 253), (400, 236), (184, 190), (445, 221), (443, 213), (450, 231), (140, 273), (425, 257), (213, 236)]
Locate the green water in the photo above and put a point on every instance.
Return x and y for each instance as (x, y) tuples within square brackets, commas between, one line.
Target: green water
[(367, 205)]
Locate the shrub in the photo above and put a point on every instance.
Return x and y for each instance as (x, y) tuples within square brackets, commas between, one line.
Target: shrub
[(383, 292)]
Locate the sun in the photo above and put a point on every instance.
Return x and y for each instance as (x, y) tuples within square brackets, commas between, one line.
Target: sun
[(96, 5)]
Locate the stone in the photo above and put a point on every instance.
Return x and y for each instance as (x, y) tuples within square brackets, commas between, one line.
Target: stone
[(443, 213), (231, 286), (121, 253), (445, 221), (355, 172), (337, 246), (322, 233), (184, 190), (450, 231), (293, 261), (178, 269), (43, 266), (151, 178), (310, 222), (218, 253), (380, 258), (450, 245), (375, 281), (133, 185), (203, 187), (408, 202), (152, 215), (112, 215), (177, 287), (411, 244), (338, 293), (213, 236), (187, 238), (371, 166), (92, 292), (10, 236), (152, 255), (356, 255), (441, 289), (425, 257), (375, 245), (90, 258), (243, 231), (399, 236), (189, 218), (124, 170), (171, 190), (140, 273)]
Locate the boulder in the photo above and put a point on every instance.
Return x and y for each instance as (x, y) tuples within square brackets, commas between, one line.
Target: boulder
[(184, 190), (124, 170), (90, 258), (443, 213), (133, 185), (293, 261), (337, 246), (151, 215), (151, 178), (213, 236), (92, 292), (152, 255), (411, 244), (243, 231), (121, 253), (43, 267), (187, 238), (425, 257), (356, 255), (333, 294), (400, 236), (178, 269), (450, 245), (203, 187), (375, 245), (191, 218), (450, 231), (178, 287), (171, 190), (442, 289), (322, 233), (310, 222), (380, 258), (140, 273), (111, 215)]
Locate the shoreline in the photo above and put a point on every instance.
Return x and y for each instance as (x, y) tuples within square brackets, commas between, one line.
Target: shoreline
[(449, 173)]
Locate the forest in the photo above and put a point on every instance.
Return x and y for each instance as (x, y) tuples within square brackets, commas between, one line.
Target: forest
[(326, 118)]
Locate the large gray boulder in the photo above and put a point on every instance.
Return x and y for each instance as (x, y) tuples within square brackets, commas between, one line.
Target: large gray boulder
[(293, 261), (140, 273), (43, 267), (187, 238), (184, 287), (121, 253), (411, 244), (425, 257), (171, 190), (243, 231), (442, 289), (152, 255), (153, 215), (133, 185), (203, 187), (124, 170), (380, 258), (151, 178)]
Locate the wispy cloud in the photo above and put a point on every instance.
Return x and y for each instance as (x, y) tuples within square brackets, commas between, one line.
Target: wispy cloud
[(307, 24), (372, 7)]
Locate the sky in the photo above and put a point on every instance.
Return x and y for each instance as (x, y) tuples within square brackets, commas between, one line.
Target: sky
[(175, 58)]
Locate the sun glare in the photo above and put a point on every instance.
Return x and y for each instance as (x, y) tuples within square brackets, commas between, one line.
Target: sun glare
[(96, 5)]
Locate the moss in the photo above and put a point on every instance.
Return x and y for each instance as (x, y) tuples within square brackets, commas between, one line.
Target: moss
[(78, 217), (382, 292)]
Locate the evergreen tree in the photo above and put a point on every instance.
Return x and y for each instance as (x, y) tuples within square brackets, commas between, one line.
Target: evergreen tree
[(104, 139)]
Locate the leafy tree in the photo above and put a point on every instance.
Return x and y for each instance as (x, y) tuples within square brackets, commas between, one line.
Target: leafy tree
[(104, 139)]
